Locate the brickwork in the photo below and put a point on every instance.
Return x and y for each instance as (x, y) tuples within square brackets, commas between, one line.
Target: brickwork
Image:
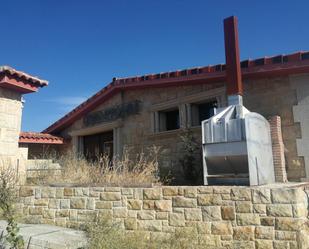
[(278, 149), (228, 217)]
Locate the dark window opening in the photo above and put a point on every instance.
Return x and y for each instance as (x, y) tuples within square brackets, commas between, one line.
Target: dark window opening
[(169, 120), (98, 145), (202, 111)]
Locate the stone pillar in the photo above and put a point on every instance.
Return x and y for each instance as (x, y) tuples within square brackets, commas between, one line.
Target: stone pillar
[(117, 142), (278, 149)]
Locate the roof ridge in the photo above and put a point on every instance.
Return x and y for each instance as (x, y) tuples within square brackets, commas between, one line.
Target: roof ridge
[(197, 73)]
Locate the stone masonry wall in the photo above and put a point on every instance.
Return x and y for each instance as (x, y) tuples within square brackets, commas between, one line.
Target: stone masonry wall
[(226, 217)]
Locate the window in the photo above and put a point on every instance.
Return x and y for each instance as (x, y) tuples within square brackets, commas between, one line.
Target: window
[(169, 120), (202, 111)]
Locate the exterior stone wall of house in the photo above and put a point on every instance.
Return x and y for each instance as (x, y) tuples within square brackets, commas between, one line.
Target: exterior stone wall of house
[(269, 217), (269, 97), (10, 124)]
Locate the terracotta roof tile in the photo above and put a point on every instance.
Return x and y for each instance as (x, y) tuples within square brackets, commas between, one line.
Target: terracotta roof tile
[(22, 75), (41, 138)]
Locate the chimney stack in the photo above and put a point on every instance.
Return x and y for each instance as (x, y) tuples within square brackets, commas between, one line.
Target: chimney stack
[(233, 69)]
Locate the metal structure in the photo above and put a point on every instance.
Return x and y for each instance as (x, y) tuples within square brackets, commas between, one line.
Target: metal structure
[(237, 146)]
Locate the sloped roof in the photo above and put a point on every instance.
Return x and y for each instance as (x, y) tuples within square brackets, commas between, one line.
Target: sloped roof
[(13, 72), (257, 68), (39, 138)]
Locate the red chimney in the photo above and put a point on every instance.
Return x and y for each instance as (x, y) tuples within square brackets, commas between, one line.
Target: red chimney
[(233, 69)]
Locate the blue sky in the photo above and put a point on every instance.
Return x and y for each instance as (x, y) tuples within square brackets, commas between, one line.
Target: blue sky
[(79, 46)]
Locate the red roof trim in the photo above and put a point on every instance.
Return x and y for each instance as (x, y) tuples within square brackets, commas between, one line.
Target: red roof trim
[(16, 85), (21, 76), (259, 68), (39, 138)]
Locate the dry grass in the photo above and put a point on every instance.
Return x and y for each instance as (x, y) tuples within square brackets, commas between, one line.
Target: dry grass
[(141, 171), (104, 235)]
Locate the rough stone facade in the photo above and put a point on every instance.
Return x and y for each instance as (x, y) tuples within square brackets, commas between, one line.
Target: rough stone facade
[(271, 217), (276, 96), (11, 155)]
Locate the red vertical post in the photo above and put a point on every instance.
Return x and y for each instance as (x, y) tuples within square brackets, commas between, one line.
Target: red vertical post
[(233, 69)]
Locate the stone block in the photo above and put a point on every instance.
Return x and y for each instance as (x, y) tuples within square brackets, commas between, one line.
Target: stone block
[(54, 203), (60, 222), (25, 191), (263, 244), (241, 194), (127, 191), (163, 205), (149, 205), (162, 215), (103, 205), (41, 202), (259, 208), (63, 213), (210, 241), (264, 232), (287, 196), (112, 189), (110, 196), (59, 193), (211, 213), (204, 227), (209, 200), (90, 204), (36, 210), (222, 190), (243, 206), (279, 210), (170, 191), (120, 212), (78, 203), (190, 192), (221, 228), (289, 224), (180, 201), (146, 215), (149, 225), (152, 194), (48, 214), (65, 204), (228, 212), (285, 235), (193, 214), (261, 196), (247, 219), (130, 224), (243, 233), (134, 204), (205, 190), (48, 192), (300, 210), (176, 220), (68, 192), (281, 245), (267, 221)]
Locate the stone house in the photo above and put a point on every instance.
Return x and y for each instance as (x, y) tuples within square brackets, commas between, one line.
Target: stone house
[(155, 109)]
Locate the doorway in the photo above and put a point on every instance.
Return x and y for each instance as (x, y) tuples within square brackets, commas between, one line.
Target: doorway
[(98, 145)]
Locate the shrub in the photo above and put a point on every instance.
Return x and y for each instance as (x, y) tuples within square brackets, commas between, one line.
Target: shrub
[(8, 197), (104, 235), (188, 160)]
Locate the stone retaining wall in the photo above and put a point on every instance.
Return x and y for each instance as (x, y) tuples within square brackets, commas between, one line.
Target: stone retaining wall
[(228, 217)]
